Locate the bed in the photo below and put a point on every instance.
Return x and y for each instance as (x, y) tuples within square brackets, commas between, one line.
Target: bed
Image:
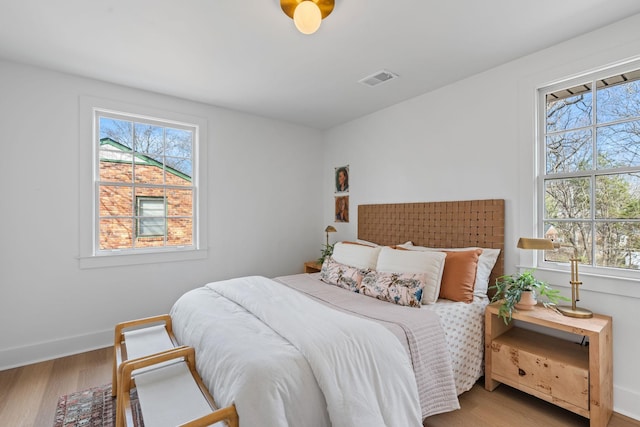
[(297, 351)]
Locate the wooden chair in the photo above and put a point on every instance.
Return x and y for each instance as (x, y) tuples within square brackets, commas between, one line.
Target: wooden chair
[(172, 394), (139, 338)]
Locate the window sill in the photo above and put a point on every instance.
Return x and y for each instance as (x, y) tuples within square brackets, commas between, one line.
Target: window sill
[(102, 261), (598, 283)]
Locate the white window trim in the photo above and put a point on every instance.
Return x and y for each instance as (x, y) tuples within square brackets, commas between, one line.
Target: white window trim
[(88, 256), (608, 274)]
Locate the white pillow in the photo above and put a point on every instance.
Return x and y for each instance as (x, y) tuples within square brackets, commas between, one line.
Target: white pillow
[(355, 255), (364, 242), (399, 261), (486, 261)]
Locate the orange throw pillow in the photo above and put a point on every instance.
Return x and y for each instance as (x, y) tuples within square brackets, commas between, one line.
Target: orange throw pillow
[(459, 275)]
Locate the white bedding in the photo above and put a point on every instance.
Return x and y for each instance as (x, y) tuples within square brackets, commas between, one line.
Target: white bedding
[(278, 382), (360, 367), (463, 326)]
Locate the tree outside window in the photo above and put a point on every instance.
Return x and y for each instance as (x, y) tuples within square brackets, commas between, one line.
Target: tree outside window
[(590, 175)]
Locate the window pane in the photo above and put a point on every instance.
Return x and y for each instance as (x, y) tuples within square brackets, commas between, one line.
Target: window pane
[(179, 143), (179, 167), (115, 201), (149, 139), (573, 238), (619, 145), (618, 196), (115, 166), (569, 112), (618, 102), (180, 232), (618, 245), (149, 226), (569, 151), (148, 171), (567, 198), (116, 233), (180, 203), (120, 131)]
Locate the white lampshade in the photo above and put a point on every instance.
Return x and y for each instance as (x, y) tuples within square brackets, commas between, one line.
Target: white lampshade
[(307, 17)]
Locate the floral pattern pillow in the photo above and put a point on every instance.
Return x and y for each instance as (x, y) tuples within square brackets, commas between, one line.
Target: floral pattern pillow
[(399, 288), (341, 275)]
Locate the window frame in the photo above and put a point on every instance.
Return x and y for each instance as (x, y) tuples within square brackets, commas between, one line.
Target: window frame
[(89, 254), (591, 174)]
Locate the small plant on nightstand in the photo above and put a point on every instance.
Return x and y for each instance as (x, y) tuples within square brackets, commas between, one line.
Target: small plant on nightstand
[(325, 253), (511, 290)]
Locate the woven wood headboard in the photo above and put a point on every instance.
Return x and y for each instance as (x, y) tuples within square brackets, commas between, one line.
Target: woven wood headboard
[(455, 224)]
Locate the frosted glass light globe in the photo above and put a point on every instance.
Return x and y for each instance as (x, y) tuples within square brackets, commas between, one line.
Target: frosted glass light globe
[(307, 17)]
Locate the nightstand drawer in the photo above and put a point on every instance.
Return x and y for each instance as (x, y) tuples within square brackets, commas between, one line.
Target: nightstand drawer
[(545, 366)]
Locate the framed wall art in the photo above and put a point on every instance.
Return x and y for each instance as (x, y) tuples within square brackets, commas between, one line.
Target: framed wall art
[(342, 208), (342, 179)]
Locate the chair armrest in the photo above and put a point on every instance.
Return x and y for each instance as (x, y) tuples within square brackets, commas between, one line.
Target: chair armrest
[(120, 327), (227, 414)]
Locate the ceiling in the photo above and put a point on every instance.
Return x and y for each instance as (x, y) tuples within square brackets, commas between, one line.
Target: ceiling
[(247, 55)]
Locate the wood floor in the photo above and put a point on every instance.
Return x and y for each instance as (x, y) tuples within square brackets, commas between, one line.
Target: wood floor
[(28, 398)]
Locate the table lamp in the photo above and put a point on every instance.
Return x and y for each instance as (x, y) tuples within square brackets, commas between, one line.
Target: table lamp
[(329, 229), (574, 311)]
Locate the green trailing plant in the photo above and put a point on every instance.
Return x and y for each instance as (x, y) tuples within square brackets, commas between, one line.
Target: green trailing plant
[(509, 289), (325, 252)]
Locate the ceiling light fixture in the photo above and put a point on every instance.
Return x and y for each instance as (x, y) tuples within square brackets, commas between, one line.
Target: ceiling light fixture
[(307, 14)]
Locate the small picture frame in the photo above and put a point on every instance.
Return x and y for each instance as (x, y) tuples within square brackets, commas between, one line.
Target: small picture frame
[(342, 208), (342, 179)]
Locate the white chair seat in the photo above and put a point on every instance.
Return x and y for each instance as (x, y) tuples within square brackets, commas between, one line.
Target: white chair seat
[(169, 396)]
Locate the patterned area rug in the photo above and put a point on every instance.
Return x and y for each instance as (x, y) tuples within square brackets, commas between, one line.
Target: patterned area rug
[(92, 408)]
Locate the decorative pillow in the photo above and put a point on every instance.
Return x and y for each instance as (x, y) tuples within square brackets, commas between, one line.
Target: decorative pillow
[(402, 261), (398, 288), (486, 262), (459, 276), (356, 255), (341, 275)]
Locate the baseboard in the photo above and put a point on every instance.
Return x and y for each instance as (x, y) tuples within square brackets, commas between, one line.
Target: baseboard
[(626, 402), (47, 350)]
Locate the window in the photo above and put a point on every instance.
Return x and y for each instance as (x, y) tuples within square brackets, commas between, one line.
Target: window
[(150, 213), (144, 183), (590, 170)]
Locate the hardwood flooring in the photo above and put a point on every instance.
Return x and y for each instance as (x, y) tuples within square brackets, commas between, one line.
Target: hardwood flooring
[(29, 394)]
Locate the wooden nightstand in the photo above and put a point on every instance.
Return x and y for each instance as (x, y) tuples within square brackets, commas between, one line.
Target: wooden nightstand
[(575, 377), (312, 267)]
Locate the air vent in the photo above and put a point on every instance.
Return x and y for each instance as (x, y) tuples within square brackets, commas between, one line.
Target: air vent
[(377, 78)]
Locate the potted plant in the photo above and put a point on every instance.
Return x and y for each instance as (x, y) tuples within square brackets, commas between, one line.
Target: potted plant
[(325, 253), (515, 289)]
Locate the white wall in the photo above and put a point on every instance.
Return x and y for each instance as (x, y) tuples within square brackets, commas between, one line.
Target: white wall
[(265, 214), (475, 140)]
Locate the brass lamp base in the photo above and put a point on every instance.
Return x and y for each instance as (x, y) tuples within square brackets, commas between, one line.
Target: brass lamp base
[(568, 311)]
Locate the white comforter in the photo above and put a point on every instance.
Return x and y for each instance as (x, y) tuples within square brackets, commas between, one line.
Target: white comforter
[(331, 359)]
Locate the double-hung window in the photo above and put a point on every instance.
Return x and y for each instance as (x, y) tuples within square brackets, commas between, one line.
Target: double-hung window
[(144, 186), (143, 176), (589, 173)]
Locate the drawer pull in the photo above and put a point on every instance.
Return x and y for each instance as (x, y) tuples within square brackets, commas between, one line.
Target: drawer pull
[(521, 372)]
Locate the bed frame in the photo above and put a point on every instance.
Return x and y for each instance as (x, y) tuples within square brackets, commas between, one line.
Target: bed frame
[(456, 224)]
